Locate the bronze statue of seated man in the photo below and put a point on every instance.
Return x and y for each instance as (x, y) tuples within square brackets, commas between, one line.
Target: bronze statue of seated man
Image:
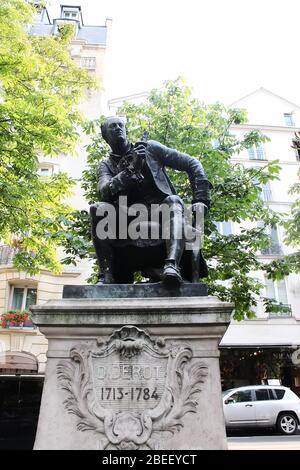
[(136, 174)]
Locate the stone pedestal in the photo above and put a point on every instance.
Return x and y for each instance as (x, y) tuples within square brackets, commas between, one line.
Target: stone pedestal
[(132, 373)]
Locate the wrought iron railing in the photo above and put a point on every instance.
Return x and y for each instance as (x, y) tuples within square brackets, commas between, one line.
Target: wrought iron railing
[(286, 311), (274, 249)]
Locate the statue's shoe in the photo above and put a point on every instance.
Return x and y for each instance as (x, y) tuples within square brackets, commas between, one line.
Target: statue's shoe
[(171, 275)]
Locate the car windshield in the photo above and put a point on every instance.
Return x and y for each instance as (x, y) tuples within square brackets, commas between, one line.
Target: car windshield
[(227, 391)]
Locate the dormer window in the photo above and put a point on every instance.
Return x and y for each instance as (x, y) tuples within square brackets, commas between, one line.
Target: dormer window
[(70, 14), (47, 169)]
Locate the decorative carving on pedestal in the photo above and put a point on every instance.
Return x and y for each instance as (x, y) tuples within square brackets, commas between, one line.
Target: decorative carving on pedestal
[(132, 390)]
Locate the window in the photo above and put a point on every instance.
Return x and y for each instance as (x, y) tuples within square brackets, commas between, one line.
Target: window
[(262, 394), (88, 62), (277, 291), (46, 169), (266, 193), (257, 153), (215, 144), (275, 248), (45, 172), (23, 297), (224, 228), (241, 396), (279, 393), (70, 14), (296, 146), (288, 119)]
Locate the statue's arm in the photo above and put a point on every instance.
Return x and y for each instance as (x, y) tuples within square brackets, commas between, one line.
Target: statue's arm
[(182, 162), (110, 186)]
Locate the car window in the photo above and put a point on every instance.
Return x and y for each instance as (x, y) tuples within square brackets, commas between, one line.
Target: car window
[(262, 394), (279, 393), (241, 396)]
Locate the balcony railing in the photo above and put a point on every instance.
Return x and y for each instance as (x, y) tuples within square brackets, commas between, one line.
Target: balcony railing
[(286, 312), (7, 254), (274, 249)]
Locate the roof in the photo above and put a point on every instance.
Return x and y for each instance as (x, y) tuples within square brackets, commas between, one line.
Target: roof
[(262, 89), (93, 34), (256, 387), (90, 34), (40, 29)]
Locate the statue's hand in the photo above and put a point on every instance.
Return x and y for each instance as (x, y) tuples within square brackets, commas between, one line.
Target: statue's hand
[(139, 154)]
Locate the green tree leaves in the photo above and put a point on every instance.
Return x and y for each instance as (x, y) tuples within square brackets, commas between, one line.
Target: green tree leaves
[(173, 117), (40, 88)]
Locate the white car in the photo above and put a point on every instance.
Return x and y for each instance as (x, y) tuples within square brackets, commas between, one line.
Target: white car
[(262, 406)]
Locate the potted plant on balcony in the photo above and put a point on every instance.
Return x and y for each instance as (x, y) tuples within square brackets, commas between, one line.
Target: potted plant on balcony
[(15, 318)]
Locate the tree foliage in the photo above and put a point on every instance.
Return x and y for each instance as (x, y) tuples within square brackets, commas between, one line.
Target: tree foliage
[(284, 265), (292, 225), (175, 118), (40, 88)]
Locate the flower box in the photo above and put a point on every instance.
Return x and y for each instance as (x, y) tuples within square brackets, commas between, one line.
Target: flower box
[(15, 319)]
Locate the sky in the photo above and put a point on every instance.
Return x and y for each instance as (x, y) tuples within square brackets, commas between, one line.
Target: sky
[(224, 49)]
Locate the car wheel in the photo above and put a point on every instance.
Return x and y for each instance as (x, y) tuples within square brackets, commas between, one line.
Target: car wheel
[(287, 423)]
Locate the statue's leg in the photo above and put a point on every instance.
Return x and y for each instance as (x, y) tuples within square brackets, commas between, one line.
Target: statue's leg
[(103, 249), (174, 240)]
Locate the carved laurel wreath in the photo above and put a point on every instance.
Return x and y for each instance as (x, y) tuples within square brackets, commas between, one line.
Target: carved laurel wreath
[(128, 429)]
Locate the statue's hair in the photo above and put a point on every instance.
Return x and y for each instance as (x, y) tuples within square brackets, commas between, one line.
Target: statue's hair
[(104, 125)]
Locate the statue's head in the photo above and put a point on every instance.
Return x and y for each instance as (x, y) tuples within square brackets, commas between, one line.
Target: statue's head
[(114, 132)]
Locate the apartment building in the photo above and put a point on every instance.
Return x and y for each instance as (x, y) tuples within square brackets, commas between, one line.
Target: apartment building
[(265, 349), (23, 348)]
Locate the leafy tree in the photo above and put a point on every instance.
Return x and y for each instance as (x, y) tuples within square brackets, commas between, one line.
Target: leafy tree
[(292, 225), (284, 265), (40, 88), (173, 117)]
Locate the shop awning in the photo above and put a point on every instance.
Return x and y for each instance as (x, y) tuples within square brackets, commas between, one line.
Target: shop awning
[(285, 332)]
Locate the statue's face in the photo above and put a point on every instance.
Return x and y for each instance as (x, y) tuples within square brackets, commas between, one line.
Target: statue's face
[(115, 131)]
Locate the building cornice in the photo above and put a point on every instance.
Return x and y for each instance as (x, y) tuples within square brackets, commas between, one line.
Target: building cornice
[(266, 127), (263, 162)]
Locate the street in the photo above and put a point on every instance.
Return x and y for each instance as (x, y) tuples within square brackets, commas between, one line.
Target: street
[(264, 442)]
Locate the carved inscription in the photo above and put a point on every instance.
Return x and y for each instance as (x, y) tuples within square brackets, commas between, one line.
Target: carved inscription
[(129, 384), (131, 387)]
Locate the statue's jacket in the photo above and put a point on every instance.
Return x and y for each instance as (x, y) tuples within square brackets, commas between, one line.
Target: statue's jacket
[(112, 182)]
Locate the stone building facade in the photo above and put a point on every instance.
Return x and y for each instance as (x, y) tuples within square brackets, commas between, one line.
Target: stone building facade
[(18, 289)]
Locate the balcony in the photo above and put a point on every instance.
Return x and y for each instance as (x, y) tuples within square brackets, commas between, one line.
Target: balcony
[(274, 249), (7, 254), (283, 311)]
